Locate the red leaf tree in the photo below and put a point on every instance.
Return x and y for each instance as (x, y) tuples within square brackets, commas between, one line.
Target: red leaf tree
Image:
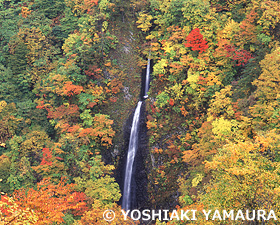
[(47, 156), (240, 56), (195, 41)]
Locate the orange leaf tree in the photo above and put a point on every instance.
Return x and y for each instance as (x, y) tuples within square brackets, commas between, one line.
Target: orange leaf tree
[(50, 201), (12, 213)]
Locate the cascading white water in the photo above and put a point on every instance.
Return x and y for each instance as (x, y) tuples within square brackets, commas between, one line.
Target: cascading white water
[(147, 80), (133, 145), (132, 148)]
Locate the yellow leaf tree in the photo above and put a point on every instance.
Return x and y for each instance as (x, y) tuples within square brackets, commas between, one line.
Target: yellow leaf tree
[(246, 176)]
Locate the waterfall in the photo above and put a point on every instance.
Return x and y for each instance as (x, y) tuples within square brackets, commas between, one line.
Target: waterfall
[(132, 148), (147, 80)]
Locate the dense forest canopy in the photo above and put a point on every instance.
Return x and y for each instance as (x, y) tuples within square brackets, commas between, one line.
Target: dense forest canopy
[(70, 76)]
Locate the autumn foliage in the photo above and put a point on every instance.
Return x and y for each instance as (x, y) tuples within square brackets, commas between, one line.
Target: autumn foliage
[(239, 56), (50, 201), (12, 213), (195, 41), (70, 75)]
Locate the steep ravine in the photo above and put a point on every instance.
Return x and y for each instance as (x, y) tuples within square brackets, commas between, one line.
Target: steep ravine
[(127, 64)]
